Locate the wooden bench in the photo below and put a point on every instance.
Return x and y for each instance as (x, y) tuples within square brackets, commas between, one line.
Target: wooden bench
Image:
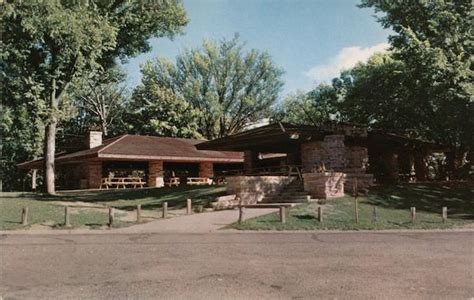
[(172, 181), (124, 182), (197, 181)]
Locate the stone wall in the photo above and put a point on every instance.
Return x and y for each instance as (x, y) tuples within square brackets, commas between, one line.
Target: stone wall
[(356, 157), (330, 151), (206, 169), (324, 185), (252, 189), (312, 155), (155, 173)]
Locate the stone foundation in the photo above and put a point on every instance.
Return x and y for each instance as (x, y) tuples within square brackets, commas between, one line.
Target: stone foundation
[(252, 189), (324, 185)]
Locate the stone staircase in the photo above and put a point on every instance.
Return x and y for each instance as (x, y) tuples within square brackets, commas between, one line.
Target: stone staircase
[(292, 193)]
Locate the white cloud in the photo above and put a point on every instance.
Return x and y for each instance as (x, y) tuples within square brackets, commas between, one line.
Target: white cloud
[(346, 58)]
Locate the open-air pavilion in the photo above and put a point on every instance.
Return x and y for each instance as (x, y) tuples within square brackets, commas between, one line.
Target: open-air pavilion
[(137, 161), (325, 158)]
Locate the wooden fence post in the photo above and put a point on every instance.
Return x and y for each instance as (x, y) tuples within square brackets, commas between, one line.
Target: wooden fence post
[(241, 213), (320, 214), (283, 214), (139, 213), (24, 216), (165, 210), (188, 206), (413, 214), (67, 221), (375, 215), (111, 216), (356, 202), (445, 214)]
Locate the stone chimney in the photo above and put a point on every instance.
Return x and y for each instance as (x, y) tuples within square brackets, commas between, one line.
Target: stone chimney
[(94, 139)]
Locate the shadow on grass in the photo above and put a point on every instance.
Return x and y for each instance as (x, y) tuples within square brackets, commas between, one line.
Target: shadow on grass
[(427, 197), (148, 198)]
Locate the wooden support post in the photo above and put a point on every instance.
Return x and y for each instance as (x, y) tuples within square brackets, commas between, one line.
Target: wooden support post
[(165, 210), (111, 216), (356, 202), (241, 213), (188, 206), (375, 215), (24, 216), (283, 214), (67, 221), (33, 179), (445, 214), (413, 214), (320, 214), (139, 213)]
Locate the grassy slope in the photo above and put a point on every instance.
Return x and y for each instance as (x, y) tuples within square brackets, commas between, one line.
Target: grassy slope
[(42, 210), (393, 204)]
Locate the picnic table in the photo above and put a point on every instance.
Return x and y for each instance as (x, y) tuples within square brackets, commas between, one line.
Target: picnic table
[(172, 181), (198, 181), (123, 182)]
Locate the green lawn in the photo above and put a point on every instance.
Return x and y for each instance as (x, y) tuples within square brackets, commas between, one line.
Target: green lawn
[(393, 204), (44, 210)]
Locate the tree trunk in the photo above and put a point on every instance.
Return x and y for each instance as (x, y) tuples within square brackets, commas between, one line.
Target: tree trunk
[(49, 151)]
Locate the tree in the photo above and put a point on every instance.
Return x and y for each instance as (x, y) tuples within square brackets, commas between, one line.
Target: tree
[(48, 44), (434, 41), (227, 85), (158, 111), (375, 93), (314, 107), (101, 98)]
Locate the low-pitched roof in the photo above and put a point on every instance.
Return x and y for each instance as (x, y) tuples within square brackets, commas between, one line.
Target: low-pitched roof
[(281, 136), (137, 147)]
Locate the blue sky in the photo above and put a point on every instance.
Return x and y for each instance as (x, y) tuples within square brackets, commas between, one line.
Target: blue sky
[(312, 40)]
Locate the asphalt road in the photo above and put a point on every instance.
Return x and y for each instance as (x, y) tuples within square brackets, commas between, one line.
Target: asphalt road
[(238, 265)]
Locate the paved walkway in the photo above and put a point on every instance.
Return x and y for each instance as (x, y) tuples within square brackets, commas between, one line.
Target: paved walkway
[(196, 223)]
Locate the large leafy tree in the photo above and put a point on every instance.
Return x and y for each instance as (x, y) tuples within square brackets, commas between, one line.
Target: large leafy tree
[(315, 107), (226, 84), (433, 39), (100, 99), (154, 110), (48, 44)]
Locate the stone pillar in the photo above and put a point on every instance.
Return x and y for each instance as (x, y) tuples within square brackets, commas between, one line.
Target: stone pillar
[(250, 160), (94, 174), (335, 149), (312, 155), (206, 169), (155, 173)]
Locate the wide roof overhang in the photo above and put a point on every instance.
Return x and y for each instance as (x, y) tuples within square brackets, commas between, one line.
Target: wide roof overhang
[(274, 138)]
